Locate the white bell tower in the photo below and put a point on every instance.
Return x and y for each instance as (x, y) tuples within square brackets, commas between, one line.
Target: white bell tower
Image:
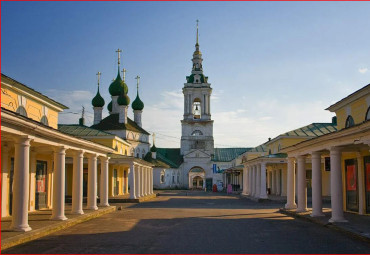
[(197, 126)]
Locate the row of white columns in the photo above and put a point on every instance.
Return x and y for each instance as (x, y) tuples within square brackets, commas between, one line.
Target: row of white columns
[(21, 182), (274, 182), (141, 181), (336, 188), (254, 180)]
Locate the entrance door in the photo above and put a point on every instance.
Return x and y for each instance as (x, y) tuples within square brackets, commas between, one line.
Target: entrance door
[(41, 191), (115, 182), (351, 185), (209, 183), (367, 182)]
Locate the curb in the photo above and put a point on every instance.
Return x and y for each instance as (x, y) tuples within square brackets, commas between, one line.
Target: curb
[(41, 232), (349, 233)]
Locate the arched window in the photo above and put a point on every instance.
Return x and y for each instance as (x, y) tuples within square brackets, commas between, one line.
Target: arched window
[(197, 133), (162, 178), (44, 120), (269, 151), (367, 117), (22, 111), (196, 109), (349, 122)]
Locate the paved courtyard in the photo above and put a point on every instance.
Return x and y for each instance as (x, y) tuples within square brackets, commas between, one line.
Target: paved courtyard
[(195, 222)]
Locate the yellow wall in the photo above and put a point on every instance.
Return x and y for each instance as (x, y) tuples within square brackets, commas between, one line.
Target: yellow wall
[(358, 112), (10, 101), (284, 142)]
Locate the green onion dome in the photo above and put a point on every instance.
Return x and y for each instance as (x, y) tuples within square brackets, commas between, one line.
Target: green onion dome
[(115, 87), (153, 149), (124, 86), (123, 99), (137, 104), (110, 106), (98, 100), (203, 79)]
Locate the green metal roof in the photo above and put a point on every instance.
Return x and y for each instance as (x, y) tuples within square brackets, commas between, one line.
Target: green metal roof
[(259, 148), (156, 162), (227, 154), (111, 123), (98, 100), (312, 130), (80, 131), (170, 156)]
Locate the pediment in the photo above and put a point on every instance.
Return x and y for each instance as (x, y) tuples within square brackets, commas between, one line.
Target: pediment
[(197, 154)]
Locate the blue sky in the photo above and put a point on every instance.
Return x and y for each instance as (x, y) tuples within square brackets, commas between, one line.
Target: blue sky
[(273, 66)]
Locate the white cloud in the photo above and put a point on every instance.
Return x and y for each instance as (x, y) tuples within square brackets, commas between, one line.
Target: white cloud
[(363, 70)]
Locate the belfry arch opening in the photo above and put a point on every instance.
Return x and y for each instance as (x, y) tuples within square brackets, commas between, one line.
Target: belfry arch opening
[(197, 109)]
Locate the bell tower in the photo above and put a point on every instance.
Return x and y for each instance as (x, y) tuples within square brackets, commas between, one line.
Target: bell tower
[(197, 126)]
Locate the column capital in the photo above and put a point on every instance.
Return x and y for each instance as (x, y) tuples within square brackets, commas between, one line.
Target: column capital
[(263, 163), (92, 156), (315, 154), (104, 159), (60, 149), (334, 150), (79, 153), (24, 140), (301, 157)]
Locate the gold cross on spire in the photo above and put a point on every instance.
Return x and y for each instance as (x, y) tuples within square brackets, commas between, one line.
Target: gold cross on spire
[(119, 55), (138, 80), (124, 74), (197, 30), (98, 74)]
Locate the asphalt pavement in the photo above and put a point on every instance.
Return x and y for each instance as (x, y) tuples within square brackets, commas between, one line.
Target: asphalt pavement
[(196, 222)]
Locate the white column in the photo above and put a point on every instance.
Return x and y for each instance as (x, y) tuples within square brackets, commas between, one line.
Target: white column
[(59, 184), (77, 183), (92, 182), (263, 193), (104, 163), (361, 184), (32, 201), (273, 184), (21, 185), (302, 189), (132, 181), (258, 181), (336, 188), (290, 203), (146, 186), (244, 181), (138, 182), (277, 183), (250, 180), (253, 179), (316, 185), (4, 181), (151, 180), (142, 177)]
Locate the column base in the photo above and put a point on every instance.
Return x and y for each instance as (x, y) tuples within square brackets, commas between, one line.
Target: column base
[(24, 228), (62, 217), (290, 206), (264, 196), (80, 212), (104, 205), (146, 194), (332, 220), (301, 210), (317, 214), (92, 208)]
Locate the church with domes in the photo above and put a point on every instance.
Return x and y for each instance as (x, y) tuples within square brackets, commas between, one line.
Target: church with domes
[(117, 122)]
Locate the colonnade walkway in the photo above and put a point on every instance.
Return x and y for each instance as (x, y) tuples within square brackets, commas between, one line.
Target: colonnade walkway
[(196, 222)]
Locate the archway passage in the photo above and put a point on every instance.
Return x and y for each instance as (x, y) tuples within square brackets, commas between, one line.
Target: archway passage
[(197, 177)]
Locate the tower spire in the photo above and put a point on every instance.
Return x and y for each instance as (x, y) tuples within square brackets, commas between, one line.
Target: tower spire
[(124, 74), (197, 32), (119, 56), (137, 84), (98, 74)]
